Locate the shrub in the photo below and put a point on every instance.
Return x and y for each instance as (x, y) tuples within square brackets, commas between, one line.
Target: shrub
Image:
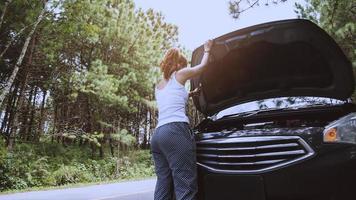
[(70, 174), (51, 164)]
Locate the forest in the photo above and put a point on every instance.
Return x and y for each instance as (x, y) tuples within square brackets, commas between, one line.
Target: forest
[(77, 80), (76, 84)]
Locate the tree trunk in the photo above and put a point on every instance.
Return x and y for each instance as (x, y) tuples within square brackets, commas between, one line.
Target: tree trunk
[(21, 99), (41, 120), (10, 81), (5, 118), (54, 121), (4, 11), (32, 116), (19, 107), (149, 127), (144, 142), (11, 41), (9, 112), (112, 151), (101, 151), (12, 113), (93, 150), (102, 142), (136, 125)]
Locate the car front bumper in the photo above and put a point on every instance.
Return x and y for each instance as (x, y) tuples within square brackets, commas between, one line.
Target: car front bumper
[(329, 175)]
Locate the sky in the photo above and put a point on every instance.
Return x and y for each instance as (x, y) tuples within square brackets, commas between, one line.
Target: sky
[(200, 20)]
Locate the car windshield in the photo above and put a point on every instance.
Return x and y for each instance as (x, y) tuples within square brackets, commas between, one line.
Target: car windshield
[(278, 103)]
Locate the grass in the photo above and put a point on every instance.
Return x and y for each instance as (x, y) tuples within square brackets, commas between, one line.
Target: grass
[(52, 166)]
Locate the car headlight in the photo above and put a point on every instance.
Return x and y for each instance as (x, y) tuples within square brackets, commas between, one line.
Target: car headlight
[(342, 130)]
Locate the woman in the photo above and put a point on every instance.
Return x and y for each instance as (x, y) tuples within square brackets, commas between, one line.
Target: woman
[(172, 144)]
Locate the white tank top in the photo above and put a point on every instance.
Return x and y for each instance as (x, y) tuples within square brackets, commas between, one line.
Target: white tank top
[(171, 102)]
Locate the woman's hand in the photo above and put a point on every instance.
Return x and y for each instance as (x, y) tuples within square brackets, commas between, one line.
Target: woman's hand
[(187, 73), (207, 45)]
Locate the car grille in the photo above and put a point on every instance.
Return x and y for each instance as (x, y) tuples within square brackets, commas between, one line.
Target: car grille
[(251, 154)]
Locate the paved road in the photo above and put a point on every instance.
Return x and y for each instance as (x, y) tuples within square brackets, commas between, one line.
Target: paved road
[(130, 190)]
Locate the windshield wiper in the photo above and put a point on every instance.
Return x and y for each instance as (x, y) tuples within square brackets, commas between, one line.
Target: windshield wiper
[(248, 113), (255, 112)]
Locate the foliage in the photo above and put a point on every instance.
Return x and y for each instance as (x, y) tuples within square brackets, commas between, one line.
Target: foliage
[(88, 74), (70, 174), (19, 173), (54, 165), (337, 17), (124, 137), (82, 96), (237, 7)]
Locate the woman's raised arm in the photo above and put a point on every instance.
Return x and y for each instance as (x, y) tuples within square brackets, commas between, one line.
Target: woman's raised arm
[(190, 72)]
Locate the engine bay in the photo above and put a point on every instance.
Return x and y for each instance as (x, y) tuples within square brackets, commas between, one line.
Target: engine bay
[(308, 117)]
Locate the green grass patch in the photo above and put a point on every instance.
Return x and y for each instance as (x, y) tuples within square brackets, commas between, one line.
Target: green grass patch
[(50, 165)]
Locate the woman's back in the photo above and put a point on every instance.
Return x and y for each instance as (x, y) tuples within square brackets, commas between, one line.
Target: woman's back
[(171, 102)]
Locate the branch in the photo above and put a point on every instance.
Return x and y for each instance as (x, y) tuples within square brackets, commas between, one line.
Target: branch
[(4, 11), (254, 3), (236, 10), (20, 58), (336, 4), (13, 39)]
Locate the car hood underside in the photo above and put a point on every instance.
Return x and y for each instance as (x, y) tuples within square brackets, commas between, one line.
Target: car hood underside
[(277, 59)]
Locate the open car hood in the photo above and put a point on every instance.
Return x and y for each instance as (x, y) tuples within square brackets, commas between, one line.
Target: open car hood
[(276, 59)]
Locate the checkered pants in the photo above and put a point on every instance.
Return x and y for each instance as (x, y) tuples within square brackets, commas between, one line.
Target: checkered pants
[(173, 150)]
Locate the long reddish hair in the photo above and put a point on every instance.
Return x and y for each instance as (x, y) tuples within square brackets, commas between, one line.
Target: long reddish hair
[(173, 61)]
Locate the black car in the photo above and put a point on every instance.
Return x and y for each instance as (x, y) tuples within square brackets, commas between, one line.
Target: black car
[(279, 123)]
